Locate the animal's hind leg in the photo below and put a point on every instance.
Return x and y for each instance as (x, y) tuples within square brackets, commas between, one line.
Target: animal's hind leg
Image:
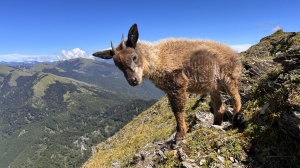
[(232, 89), (217, 105)]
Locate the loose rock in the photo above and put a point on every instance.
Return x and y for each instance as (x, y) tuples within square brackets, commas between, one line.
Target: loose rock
[(264, 108), (231, 159), (205, 119), (191, 160), (189, 165), (182, 155), (218, 127), (161, 154), (221, 159), (116, 164), (202, 161)]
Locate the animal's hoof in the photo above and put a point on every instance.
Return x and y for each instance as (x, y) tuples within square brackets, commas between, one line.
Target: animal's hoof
[(180, 136), (218, 122), (234, 121), (218, 119)]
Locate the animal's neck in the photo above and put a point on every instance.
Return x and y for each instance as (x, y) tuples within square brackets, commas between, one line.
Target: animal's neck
[(151, 61)]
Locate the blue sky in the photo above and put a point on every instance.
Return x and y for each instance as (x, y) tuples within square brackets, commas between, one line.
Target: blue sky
[(63, 29)]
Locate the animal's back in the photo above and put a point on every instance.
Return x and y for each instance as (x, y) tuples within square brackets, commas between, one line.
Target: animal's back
[(203, 62)]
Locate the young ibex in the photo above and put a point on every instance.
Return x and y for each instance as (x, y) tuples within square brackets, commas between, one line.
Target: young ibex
[(177, 66)]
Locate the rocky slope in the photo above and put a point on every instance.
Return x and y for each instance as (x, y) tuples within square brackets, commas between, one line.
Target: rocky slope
[(268, 133)]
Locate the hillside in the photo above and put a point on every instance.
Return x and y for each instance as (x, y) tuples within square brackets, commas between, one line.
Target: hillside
[(47, 120), (90, 67), (268, 132), (103, 74), (21, 64)]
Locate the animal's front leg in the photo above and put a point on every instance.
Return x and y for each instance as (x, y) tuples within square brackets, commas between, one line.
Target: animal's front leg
[(177, 100)]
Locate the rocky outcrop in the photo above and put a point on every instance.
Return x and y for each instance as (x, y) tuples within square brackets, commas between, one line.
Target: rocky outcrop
[(254, 69), (289, 61), (290, 124), (279, 42), (159, 152)]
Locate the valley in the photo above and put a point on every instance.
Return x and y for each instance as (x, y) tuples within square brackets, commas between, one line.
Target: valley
[(52, 115)]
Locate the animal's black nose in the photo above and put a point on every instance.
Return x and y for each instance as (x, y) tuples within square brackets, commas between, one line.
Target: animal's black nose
[(133, 81)]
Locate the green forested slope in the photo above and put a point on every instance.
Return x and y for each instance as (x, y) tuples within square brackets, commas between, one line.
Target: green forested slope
[(103, 74), (48, 120)]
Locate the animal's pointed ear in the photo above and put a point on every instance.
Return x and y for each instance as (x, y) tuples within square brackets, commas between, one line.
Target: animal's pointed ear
[(105, 54), (133, 36)]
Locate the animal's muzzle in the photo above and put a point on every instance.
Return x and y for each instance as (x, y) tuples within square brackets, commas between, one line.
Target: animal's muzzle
[(133, 81)]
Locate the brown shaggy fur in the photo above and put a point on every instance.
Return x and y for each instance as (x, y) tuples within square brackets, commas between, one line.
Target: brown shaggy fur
[(177, 66)]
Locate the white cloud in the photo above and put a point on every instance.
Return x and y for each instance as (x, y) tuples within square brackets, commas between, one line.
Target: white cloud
[(241, 47), (63, 55), (16, 55), (75, 53), (261, 24), (20, 57), (29, 60), (47, 59), (276, 27)]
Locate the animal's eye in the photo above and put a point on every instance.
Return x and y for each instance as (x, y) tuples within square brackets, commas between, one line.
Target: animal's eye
[(134, 58)]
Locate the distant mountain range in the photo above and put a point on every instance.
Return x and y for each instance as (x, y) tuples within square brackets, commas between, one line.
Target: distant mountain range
[(52, 115), (32, 63), (24, 63)]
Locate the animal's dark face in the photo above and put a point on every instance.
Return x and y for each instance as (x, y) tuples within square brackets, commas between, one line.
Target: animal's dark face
[(130, 62), (126, 57)]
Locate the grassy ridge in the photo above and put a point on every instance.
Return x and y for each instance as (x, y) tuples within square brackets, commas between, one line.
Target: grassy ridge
[(154, 124)]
